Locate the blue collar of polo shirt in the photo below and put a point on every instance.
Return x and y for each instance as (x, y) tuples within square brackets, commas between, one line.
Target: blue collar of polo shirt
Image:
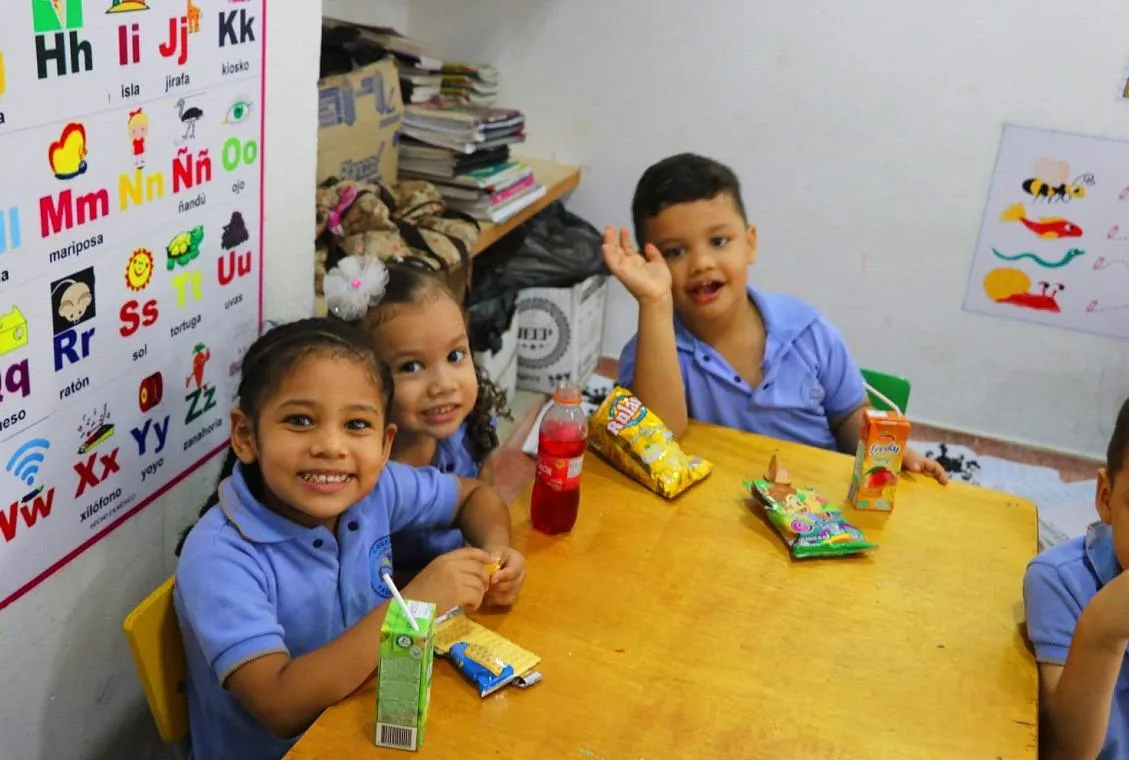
[(254, 521), (783, 319), (1100, 553)]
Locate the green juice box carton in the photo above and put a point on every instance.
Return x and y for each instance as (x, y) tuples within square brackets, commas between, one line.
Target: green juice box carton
[(403, 692)]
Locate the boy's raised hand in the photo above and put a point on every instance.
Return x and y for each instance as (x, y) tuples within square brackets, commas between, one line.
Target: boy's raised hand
[(454, 579), (646, 276)]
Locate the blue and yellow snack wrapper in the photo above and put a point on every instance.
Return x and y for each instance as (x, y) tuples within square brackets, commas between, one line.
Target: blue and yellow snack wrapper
[(481, 667), (808, 524), (486, 659)]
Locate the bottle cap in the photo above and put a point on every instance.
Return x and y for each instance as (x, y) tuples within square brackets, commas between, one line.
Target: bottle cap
[(567, 394)]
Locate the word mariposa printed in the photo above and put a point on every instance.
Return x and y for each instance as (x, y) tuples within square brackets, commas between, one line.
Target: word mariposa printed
[(131, 209)]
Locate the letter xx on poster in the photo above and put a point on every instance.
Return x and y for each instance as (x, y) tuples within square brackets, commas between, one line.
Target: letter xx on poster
[(130, 257), (1054, 241)]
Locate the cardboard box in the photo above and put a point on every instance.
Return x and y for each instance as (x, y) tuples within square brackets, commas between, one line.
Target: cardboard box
[(403, 692), (502, 366), (559, 334), (359, 118)]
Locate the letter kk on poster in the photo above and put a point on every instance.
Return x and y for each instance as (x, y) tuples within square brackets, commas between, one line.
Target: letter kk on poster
[(131, 147)]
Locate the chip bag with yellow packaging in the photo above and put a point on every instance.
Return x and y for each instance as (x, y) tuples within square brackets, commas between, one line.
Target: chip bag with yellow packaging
[(635, 440)]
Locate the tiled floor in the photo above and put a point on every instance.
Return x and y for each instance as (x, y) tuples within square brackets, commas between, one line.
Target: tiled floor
[(513, 470)]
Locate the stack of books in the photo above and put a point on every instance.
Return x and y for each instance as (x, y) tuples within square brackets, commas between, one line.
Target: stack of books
[(464, 150), (419, 84), (421, 71), (471, 83)]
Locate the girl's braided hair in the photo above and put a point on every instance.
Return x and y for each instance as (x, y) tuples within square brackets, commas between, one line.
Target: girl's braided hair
[(272, 358)]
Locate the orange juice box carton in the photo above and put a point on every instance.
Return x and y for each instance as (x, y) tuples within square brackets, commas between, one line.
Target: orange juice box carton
[(403, 692), (878, 460)]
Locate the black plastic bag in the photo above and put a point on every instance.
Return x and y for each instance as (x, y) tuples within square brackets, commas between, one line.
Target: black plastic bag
[(554, 249)]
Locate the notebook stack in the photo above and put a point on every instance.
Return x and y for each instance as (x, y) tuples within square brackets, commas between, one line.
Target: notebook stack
[(464, 149), (421, 72), (471, 83)]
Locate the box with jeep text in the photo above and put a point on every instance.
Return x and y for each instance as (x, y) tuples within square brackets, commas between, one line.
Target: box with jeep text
[(560, 331)]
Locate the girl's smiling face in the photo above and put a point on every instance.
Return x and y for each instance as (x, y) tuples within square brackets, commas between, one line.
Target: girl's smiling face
[(321, 440), (426, 346)]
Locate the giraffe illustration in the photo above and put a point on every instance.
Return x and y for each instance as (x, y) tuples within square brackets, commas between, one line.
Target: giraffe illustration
[(193, 17)]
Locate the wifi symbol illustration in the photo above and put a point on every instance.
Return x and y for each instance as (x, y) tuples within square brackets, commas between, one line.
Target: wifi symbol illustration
[(25, 462)]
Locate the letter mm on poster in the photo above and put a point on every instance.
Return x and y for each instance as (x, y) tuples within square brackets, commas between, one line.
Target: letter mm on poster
[(1054, 241), (131, 209)]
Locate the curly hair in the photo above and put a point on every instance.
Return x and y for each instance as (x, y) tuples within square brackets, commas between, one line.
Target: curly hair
[(271, 359), (412, 282)]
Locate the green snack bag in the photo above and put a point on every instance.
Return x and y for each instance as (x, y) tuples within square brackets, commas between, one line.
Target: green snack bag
[(809, 525), (403, 693)]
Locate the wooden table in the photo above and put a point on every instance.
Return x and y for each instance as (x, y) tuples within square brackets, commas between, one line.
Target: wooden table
[(683, 630)]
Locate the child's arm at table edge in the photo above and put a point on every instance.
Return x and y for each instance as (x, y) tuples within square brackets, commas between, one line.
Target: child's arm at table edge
[(287, 695), (482, 515), (1075, 699), (657, 379)]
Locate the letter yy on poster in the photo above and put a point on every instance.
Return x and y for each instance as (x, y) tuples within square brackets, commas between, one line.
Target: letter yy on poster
[(1054, 241), (131, 210)]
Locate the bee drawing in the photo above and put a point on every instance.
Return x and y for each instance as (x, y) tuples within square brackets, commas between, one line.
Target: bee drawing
[(1050, 182)]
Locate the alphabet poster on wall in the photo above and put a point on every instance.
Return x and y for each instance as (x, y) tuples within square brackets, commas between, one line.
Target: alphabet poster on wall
[(1054, 242), (130, 257)]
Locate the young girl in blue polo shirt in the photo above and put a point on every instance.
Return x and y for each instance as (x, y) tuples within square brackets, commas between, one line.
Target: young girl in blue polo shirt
[(1077, 599), (279, 589), (444, 407), (709, 346)]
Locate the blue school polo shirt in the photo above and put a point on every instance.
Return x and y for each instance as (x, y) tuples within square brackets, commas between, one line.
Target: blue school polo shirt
[(1058, 585), (414, 549), (809, 376), (250, 582)]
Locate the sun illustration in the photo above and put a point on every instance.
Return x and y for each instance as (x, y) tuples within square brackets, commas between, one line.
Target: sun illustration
[(139, 269)]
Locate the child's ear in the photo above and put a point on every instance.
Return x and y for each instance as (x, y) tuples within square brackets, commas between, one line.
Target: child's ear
[(243, 436), (751, 239), (1102, 496), (389, 437)]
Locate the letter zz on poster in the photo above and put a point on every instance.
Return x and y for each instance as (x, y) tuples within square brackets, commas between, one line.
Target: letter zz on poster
[(131, 208)]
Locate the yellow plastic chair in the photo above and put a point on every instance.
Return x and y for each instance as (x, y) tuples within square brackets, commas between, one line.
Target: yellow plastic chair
[(158, 654)]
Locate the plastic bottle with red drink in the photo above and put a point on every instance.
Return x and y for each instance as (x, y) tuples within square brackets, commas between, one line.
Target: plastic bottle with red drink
[(561, 441)]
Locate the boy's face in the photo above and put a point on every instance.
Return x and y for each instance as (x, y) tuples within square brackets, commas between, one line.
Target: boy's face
[(1113, 508), (708, 247)]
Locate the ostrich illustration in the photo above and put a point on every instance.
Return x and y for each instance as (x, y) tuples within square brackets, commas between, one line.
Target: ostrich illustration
[(189, 117)]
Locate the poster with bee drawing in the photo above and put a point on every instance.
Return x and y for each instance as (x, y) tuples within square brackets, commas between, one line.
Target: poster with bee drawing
[(1054, 241), (130, 258)]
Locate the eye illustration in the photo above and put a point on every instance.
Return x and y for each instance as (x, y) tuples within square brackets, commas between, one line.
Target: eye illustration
[(237, 112)]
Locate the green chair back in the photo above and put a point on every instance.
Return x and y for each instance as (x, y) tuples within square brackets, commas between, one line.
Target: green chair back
[(894, 388)]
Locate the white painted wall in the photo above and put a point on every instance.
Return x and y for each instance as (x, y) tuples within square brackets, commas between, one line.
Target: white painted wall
[(67, 684), (865, 134), (393, 13)]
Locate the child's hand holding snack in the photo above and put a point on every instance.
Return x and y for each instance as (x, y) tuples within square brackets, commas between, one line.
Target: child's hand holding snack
[(645, 275), (454, 579), (507, 580)]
